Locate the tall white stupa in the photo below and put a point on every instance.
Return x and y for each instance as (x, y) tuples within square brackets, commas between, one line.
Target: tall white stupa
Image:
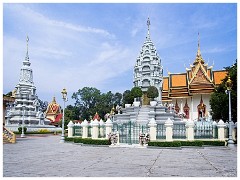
[(26, 106), (148, 70)]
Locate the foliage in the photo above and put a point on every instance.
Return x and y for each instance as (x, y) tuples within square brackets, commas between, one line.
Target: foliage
[(92, 141), (136, 92), (69, 138), (152, 92), (90, 100), (43, 131), (192, 143), (214, 143), (186, 143), (164, 144), (127, 97), (219, 101), (24, 129)]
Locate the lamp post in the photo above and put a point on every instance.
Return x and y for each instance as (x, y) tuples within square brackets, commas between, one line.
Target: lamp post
[(229, 88), (64, 96), (23, 113)]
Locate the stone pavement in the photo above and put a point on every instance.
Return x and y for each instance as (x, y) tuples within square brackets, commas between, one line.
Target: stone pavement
[(37, 156)]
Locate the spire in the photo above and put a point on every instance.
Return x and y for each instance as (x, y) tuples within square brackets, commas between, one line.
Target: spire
[(54, 100), (198, 52), (199, 58), (148, 24), (26, 62)]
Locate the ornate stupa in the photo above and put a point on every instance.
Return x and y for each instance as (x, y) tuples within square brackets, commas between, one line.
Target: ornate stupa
[(26, 104), (53, 112), (148, 70)]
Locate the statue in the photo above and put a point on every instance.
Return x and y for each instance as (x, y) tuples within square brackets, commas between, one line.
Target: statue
[(144, 138), (113, 138)]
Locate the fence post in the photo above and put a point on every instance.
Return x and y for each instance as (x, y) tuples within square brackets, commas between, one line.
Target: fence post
[(84, 129), (234, 132), (153, 129), (108, 126), (221, 130), (101, 124), (70, 129), (214, 124), (95, 131), (169, 132), (190, 130)]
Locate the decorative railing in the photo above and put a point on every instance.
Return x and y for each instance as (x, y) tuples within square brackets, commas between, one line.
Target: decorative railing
[(9, 136), (161, 131), (179, 130)]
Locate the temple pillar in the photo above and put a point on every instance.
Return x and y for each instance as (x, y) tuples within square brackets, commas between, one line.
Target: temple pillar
[(169, 132)]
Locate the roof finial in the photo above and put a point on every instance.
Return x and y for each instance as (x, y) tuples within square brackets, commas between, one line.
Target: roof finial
[(148, 24), (198, 52), (27, 57)]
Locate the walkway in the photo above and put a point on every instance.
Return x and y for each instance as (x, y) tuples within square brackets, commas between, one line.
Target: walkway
[(37, 156)]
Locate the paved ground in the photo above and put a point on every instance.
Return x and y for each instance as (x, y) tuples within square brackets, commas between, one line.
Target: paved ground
[(45, 157)]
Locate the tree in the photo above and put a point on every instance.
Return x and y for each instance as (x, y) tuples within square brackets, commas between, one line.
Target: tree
[(152, 92), (219, 99), (136, 92), (117, 99), (90, 100), (127, 97)]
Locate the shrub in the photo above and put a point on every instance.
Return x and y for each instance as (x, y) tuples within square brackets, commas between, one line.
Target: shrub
[(152, 92), (43, 131), (136, 92), (24, 129), (127, 97), (192, 143), (165, 144), (214, 143), (92, 141), (69, 138)]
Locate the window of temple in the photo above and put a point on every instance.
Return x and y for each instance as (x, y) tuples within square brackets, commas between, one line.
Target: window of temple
[(201, 110), (186, 110), (177, 107)]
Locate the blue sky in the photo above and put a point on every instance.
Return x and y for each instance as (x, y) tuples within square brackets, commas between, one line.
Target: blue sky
[(96, 45)]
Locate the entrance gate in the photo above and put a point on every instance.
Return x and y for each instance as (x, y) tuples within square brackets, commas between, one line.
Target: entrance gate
[(129, 131)]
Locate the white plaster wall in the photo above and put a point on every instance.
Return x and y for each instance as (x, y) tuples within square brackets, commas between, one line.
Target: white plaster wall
[(193, 106)]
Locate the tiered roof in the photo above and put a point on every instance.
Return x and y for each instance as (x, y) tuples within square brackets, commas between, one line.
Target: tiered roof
[(199, 79)]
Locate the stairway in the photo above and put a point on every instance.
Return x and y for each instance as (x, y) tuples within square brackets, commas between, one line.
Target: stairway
[(142, 117), (8, 136)]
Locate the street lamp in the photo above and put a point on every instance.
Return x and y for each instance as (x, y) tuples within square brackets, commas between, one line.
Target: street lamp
[(64, 96), (229, 88), (23, 113)]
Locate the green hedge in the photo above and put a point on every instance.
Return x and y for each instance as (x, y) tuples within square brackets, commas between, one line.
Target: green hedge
[(69, 138), (165, 144), (214, 143), (92, 141), (192, 143), (186, 143)]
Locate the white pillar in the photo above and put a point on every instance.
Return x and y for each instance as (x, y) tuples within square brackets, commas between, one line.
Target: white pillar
[(108, 126), (84, 129), (190, 130), (101, 125), (70, 129), (221, 125), (95, 131), (153, 129), (169, 132), (214, 124), (192, 108)]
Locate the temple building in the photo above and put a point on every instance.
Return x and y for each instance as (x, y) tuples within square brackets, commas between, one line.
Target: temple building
[(190, 91), (26, 107), (148, 70), (53, 112)]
